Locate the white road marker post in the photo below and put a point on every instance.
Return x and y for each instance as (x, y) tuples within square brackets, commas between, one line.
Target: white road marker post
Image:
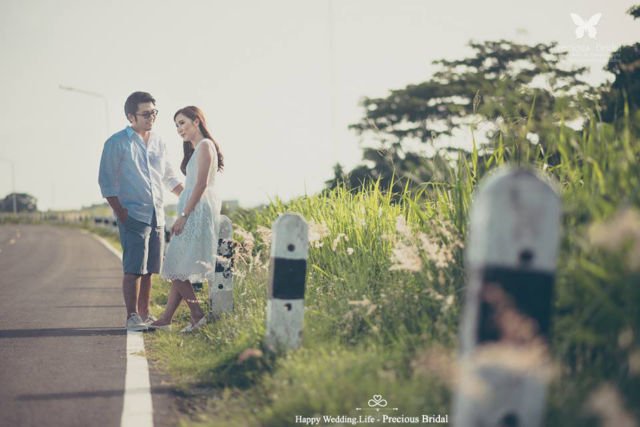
[(510, 262), (285, 306), (221, 288)]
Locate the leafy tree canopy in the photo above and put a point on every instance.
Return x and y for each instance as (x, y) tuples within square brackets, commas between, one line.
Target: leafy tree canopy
[(501, 81)]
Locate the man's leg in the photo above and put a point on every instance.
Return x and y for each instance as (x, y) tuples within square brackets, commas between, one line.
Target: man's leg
[(132, 238), (154, 247), (144, 297), (130, 285)]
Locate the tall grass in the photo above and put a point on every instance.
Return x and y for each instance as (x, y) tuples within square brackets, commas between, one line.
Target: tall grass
[(383, 297)]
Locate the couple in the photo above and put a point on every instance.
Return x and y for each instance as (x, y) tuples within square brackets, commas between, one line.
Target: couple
[(133, 170)]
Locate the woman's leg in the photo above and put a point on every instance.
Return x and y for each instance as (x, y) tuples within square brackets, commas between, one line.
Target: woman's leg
[(173, 302), (185, 290)]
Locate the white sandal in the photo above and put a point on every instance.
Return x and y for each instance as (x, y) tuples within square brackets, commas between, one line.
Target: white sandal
[(166, 327), (199, 324)]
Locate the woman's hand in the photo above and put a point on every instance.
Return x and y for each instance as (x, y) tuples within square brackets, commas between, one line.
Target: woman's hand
[(178, 226)]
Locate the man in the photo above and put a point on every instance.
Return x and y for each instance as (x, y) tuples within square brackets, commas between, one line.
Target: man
[(133, 169)]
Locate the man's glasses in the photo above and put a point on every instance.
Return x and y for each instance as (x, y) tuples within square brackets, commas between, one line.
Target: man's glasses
[(148, 114)]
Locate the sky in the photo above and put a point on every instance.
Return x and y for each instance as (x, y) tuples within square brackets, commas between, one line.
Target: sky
[(280, 81)]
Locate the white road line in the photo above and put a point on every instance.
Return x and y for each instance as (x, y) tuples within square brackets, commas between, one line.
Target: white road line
[(137, 410), (106, 244)]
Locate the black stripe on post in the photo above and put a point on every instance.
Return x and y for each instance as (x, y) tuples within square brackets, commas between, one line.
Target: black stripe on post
[(287, 279), (529, 293)]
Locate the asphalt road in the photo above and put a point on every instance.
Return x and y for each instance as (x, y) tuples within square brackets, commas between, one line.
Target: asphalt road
[(62, 341)]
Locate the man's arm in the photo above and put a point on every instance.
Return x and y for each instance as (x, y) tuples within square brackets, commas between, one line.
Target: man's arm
[(121, 212), (108, 178), (170, 179)]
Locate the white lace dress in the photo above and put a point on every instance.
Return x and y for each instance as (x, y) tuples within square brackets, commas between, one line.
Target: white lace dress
[(192, 254)]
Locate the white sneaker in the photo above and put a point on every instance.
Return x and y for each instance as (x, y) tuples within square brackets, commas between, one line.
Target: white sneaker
[(135, 323)]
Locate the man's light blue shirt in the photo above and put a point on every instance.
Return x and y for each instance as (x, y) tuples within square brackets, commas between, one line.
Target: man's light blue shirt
[(134, 172)]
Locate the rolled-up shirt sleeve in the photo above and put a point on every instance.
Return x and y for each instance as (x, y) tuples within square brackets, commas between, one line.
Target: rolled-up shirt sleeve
[(109, 169)]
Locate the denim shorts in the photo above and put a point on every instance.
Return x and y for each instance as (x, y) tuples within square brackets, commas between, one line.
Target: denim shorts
[(142, 246)]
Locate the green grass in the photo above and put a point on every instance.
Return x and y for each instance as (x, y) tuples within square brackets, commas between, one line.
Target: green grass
[(373, 329)]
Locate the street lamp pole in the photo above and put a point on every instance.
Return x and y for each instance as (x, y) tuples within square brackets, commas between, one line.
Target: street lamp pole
[(13, 184), (94, 94)]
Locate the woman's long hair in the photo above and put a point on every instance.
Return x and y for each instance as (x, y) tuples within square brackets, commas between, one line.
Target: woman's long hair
[(195, 113)]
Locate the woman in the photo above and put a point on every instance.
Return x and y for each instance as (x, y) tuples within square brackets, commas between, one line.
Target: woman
[(191, 254)]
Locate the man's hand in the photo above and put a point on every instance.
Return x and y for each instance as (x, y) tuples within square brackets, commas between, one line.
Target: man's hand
[(123, 214), (178, 189), (178, 226)]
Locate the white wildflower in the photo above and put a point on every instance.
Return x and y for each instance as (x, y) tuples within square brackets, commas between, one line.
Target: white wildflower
[(336, 241), (436, 361), (317, 232), (607, 403), (434, 294), (405, 257), (448, 302), (612, 235), (402, 227), (365, 304), (433, 251), (265, 234), (388, 237), (248, 241)]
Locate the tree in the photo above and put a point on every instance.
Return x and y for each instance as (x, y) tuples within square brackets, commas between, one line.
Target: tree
[(24, 203), (501, 81), (392, 170), (624, 64), (512, 89)]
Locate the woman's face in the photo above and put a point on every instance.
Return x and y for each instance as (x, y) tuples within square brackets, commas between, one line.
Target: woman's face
[(187, 128)]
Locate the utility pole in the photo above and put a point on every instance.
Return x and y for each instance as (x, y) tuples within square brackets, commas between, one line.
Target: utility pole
[(95, 95)]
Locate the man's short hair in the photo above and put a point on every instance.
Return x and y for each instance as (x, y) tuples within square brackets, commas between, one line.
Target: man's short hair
[(131, 104)]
